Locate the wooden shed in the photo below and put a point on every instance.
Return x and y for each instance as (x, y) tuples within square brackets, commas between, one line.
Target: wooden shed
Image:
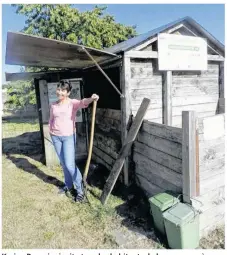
[(134, 67), (180, 68)]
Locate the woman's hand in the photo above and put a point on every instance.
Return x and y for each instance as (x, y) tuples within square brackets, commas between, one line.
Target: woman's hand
[(95, 97)]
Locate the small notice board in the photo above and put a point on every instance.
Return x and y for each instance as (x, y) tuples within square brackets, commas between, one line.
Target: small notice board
[(178, 52)]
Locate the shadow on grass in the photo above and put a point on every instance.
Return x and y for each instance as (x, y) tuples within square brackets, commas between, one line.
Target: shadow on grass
[(28, 167), (28, 144), (135, 211), (20, 120)]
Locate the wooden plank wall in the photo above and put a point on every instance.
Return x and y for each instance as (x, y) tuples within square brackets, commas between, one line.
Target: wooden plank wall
[(191, 91), (195, 91), (107, 137), (211, 152), (146, 82), (211, 132), (158, 158)]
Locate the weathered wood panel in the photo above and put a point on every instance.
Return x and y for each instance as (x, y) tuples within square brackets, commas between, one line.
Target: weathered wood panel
[(81, 141), (211, 218), (212, 183), (155, 114), (146, 81), (107, 137), (126, 110), (157, 174), (211, 206), (143, 170), (103, 155), (109, 150), (50, 153), (167, 98), (149, 188), (153, 82), (163, 131), (171, 148), (108, 113), (99, 160), (191, 91), (189, 147), (177, 120), (157, 157), (210, 199), (221, 81), (210, 203), (176, 101), (44, 101), (195, 91), (194, 81), (177, 110), (141, 72), (211, 132), (221, 105), (108, 119)]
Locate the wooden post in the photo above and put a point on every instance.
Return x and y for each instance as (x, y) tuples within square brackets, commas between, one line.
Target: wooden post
[(221, 101), (189, 155), (44, 100), (197, 165), (50, 154), (39, 109), (125, 108), (167, 98)]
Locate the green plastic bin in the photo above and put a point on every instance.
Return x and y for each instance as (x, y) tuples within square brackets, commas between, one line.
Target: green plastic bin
[(182, 227), (159, 204)]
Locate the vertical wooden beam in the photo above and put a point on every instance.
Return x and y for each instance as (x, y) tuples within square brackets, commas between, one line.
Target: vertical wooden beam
[(189, 155), (39, 109), (197, 165), (167, 98), (50, 154), (221, 101), (125, 108), (44, 100)]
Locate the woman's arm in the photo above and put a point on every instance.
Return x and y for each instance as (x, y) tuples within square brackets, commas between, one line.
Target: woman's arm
[(94, 97), (84, 102)]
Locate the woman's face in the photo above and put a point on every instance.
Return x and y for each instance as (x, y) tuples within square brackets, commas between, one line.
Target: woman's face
[(62, 94)]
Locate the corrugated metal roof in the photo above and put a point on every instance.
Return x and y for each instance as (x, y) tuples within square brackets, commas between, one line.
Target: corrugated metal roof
[(29, 50), (133, 42)]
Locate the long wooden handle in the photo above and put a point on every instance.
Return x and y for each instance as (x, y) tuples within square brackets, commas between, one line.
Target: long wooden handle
[(91, 141)]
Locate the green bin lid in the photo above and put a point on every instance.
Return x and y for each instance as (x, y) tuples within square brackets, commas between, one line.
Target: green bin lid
[(163, 201), (180, 214)]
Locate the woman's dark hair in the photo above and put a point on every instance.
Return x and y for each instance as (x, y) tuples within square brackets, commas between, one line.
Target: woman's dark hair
[(64, 84)]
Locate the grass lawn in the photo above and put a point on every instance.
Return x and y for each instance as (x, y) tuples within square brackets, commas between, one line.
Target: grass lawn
[(36, 216)]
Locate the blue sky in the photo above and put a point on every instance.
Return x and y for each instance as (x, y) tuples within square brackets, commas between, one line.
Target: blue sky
[(145, 16)]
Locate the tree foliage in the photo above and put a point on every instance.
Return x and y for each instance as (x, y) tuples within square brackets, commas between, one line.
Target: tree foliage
[(91, 28), (20, 94)]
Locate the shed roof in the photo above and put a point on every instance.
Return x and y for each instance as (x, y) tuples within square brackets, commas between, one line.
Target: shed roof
[(30, 50), (135, 41)]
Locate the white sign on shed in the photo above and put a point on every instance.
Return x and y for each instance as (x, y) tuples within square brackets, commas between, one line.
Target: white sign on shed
[(178, 52), (75, 93)]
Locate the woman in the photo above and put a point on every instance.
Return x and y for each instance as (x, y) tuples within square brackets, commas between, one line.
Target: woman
[(62, 132)]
